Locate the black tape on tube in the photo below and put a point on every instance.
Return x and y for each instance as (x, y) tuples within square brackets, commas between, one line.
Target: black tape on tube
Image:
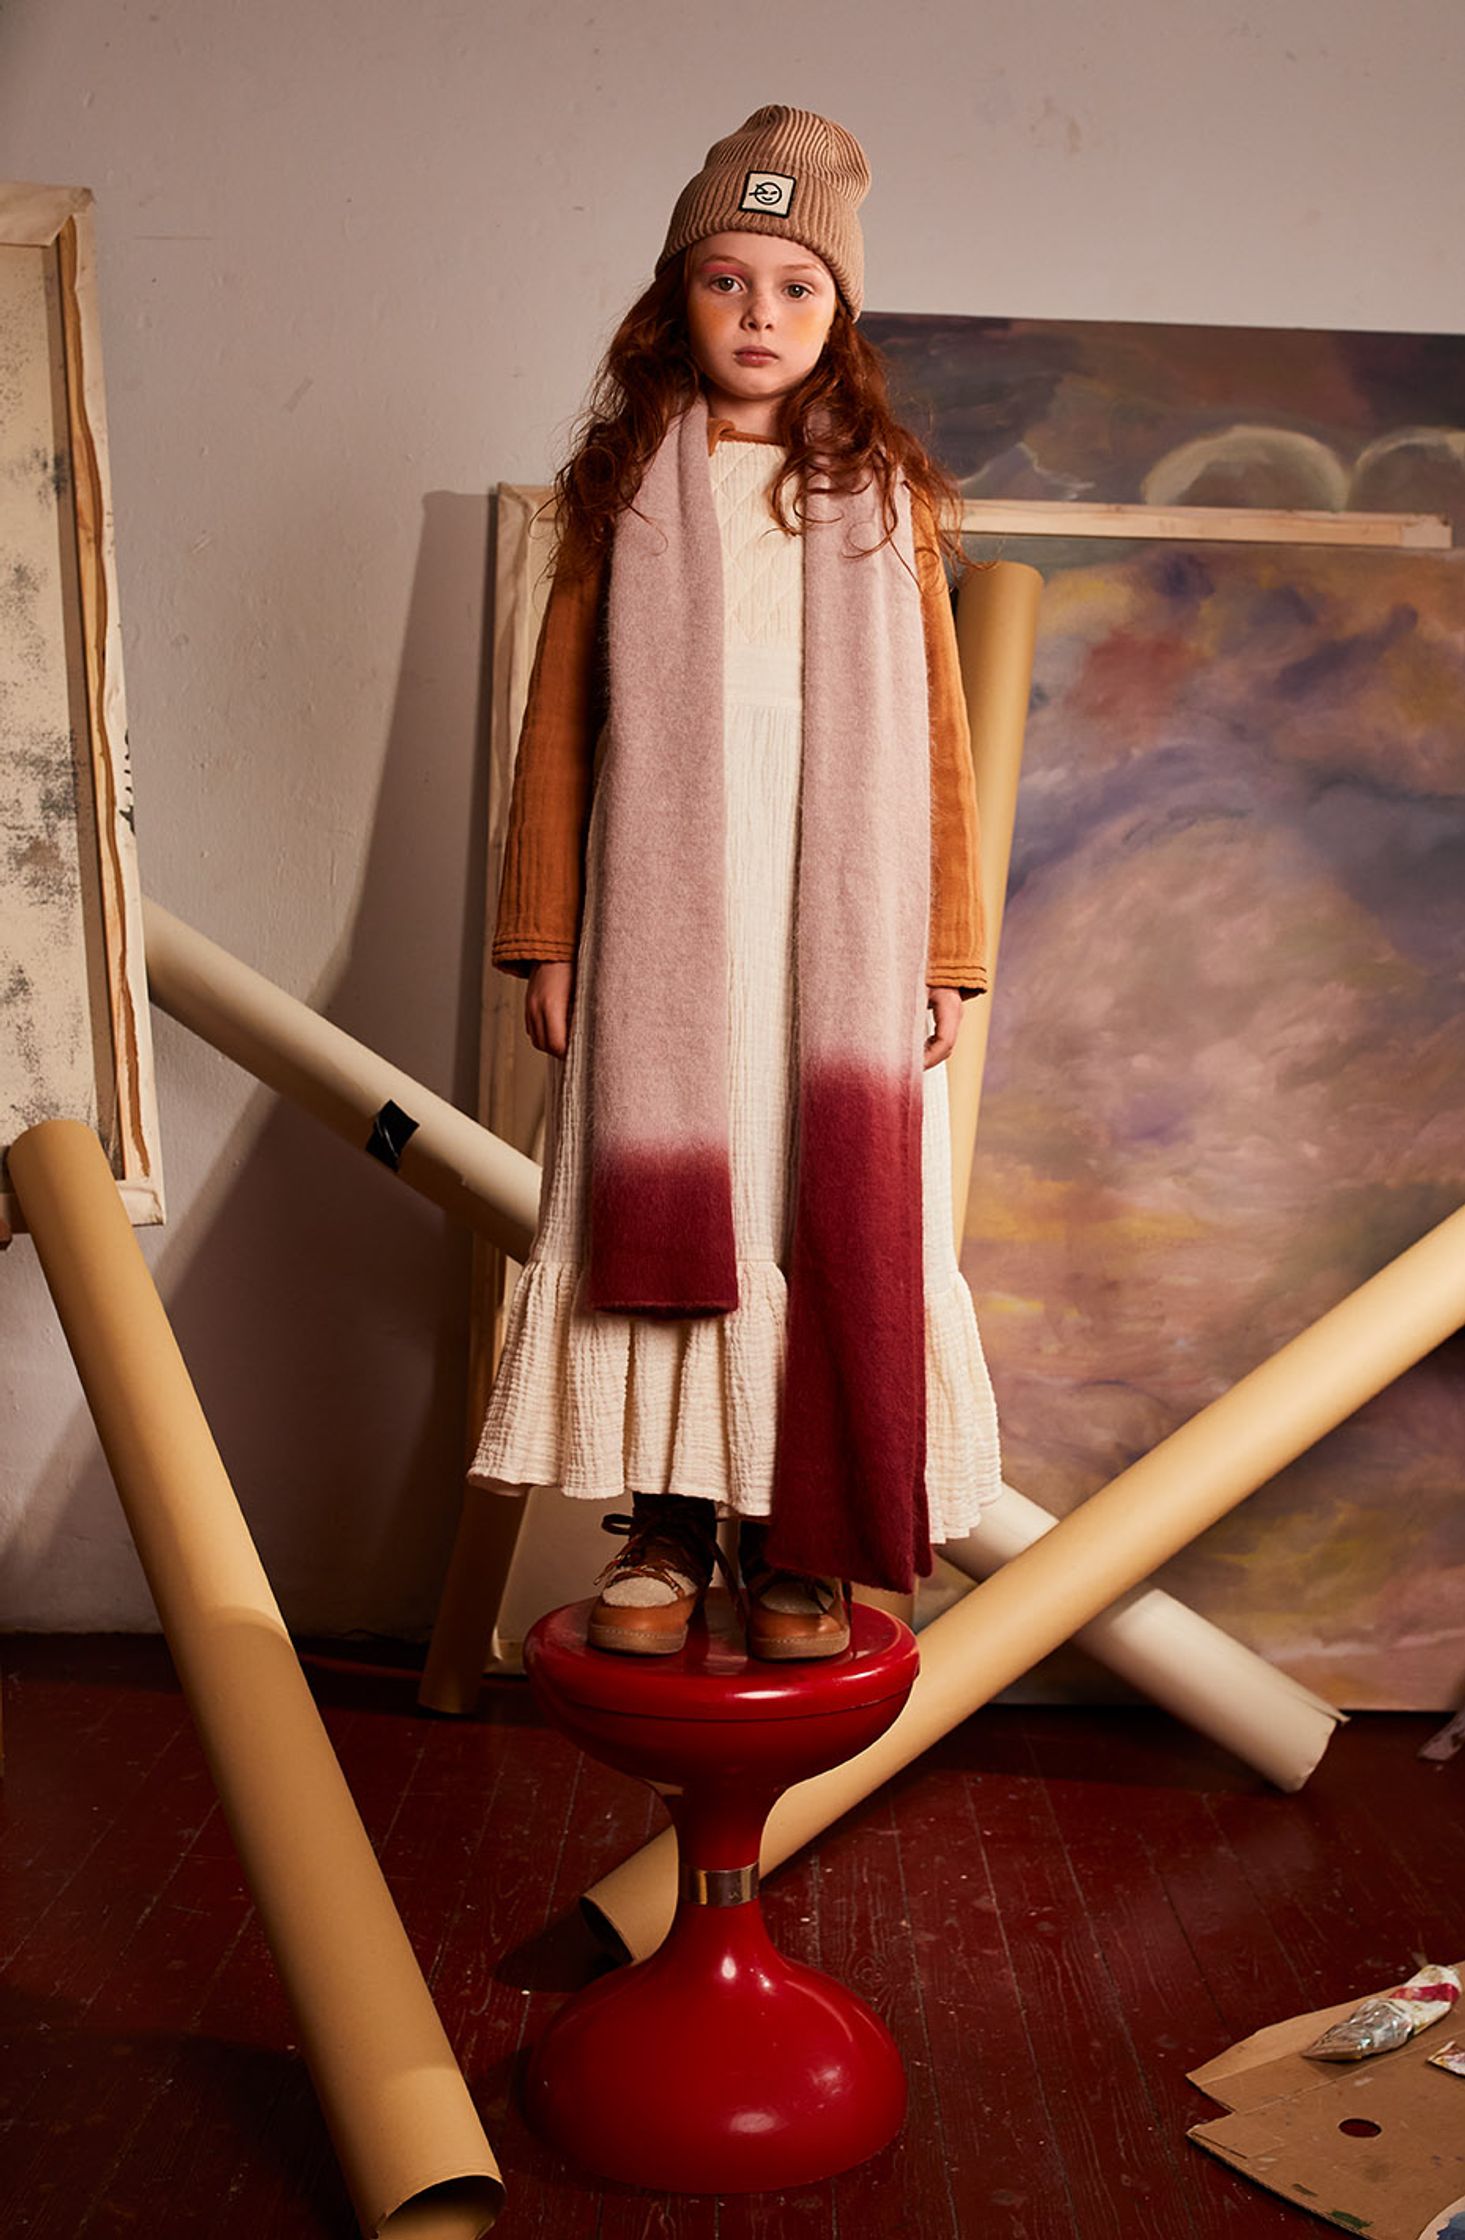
[(392, 1130)]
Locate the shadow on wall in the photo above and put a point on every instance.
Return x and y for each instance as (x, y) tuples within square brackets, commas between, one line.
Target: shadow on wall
[(322, 1307)]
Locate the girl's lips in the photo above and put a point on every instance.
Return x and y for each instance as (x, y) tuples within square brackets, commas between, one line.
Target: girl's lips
[(760, 355)]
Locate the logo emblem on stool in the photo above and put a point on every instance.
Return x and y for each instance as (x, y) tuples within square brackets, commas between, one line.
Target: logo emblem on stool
[(770, 191)]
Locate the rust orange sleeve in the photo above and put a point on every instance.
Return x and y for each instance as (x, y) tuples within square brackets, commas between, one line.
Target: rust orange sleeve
[(956, 955), (542, 888)]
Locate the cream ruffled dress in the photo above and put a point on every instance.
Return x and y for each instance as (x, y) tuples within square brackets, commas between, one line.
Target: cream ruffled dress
[(604, 1405)]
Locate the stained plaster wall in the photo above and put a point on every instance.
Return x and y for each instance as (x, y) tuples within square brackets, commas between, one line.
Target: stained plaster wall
[(356, 264)]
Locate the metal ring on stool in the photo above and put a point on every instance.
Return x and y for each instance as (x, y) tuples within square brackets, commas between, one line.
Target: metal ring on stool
[(719, 1886)]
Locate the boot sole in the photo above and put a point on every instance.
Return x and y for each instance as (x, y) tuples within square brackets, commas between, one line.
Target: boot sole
[(636, 1644), (796, 1652)]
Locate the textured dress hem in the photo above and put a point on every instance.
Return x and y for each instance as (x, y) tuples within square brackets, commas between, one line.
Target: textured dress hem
[(700, 1400)]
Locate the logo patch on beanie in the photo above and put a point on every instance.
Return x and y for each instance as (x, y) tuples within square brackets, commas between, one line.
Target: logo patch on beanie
[(769, 191)]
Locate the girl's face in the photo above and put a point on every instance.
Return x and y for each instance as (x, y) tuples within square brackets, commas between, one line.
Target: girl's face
[(759, 309)]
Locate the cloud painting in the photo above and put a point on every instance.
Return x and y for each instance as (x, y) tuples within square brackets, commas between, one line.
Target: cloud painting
[(1226, 1079)]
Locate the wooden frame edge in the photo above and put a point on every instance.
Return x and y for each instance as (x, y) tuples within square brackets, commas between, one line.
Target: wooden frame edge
[(1063, 517), (60, 219)]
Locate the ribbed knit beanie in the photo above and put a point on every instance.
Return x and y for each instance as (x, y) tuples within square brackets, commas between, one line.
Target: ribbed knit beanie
[(785, 171)]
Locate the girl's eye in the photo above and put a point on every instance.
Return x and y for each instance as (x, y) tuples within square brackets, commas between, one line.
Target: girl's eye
[(719, 277), (802, 286)]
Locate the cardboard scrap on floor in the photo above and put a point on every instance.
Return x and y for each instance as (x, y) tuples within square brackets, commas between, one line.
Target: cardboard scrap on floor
[(1400, 2175)]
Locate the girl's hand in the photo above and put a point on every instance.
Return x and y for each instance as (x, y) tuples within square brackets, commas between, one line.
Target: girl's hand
[(946, 1003), (547, 1005)]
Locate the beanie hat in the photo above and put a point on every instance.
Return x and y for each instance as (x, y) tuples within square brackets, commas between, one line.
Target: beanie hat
[(786, 171)]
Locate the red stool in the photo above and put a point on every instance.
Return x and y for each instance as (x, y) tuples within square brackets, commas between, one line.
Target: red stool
[(717, 2066)]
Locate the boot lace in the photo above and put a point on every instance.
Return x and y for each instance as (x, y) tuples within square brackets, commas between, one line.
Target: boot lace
[(657, 1550)]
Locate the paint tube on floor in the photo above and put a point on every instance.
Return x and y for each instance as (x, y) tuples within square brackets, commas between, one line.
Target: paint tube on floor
[(1391, 2019), (1451, 2057)]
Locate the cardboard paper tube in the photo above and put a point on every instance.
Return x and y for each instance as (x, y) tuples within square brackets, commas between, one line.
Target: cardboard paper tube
[(470, 1173), (472, 1595), (1175, 1656), (996, 626), (1105, 1548), (410, 2144)]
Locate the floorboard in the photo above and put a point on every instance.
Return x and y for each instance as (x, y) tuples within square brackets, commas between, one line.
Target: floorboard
[(1004, 2173), (1058, 1913)]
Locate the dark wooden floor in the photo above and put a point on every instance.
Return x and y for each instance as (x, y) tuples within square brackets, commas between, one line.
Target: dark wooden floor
[(1057, 1912)]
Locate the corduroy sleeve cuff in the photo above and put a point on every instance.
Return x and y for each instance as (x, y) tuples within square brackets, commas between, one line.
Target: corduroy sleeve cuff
[(967, 979), (520, 958)]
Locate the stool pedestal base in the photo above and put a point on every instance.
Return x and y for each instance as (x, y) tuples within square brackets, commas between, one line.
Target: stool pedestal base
[(718, 2066)]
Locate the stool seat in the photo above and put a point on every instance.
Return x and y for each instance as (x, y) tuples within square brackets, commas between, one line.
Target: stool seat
[(716, 2065), (714, 1677)]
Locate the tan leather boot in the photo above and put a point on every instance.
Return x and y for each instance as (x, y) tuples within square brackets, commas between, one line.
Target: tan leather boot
[(789, 1614), (651, 1590)]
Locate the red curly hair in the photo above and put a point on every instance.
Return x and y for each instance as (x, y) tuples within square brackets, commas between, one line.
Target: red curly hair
[(648, 375)]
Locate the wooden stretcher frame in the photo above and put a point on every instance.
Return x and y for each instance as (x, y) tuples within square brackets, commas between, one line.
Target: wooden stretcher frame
[(56, 222), (511, 1091)]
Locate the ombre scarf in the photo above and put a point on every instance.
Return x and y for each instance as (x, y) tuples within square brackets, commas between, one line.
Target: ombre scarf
[(849, 1474)]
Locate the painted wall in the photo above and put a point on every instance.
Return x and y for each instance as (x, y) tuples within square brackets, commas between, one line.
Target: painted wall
[(356, 265)]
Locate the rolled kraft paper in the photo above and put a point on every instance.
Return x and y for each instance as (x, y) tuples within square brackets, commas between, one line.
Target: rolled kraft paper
[(1175, 1656), (996, 628), (409, 2141), (489, 1529), (1102, 1550), (474, 1585), (469, 1172)]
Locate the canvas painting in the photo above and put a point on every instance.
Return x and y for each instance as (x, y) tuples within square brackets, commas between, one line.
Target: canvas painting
[(1228, 1045)]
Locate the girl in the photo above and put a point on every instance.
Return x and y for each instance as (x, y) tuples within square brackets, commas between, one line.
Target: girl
[(740, 877)]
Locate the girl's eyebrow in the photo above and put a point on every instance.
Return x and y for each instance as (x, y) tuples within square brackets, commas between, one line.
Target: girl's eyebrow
[(709, 264)]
